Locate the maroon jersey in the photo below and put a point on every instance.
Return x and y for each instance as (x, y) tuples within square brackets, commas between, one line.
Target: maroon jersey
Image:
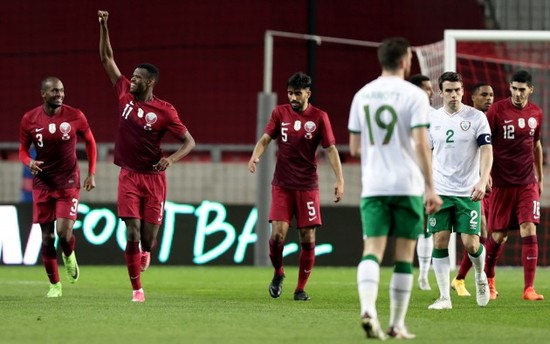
[(515, 132), (54, 138), (141, 127), (298, 135)]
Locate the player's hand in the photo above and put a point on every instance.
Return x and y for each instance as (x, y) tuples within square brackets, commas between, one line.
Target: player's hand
[(163, 164), (479, 192), (432, 202), (252, 164), (89, 183), (338, 192), (489, 186), (34, 166), (102, 16)]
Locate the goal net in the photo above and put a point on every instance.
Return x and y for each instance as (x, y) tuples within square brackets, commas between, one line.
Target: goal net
[(493, 56)]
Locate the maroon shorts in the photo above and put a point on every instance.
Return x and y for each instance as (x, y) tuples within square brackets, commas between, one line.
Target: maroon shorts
[(485, 205), (512, 206), (304, 205), (141, 196), (49, 205)]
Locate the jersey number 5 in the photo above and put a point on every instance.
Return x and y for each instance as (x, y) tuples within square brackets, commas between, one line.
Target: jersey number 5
[(384, 118)]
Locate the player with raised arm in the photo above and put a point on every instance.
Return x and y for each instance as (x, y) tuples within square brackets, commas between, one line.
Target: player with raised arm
[(299, 129), (388, 128), (460, 139), (142, 123), (52, 129)]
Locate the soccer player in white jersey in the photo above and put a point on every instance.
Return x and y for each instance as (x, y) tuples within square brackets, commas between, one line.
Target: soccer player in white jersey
[(425, 244), (462, 157), (388, 128)]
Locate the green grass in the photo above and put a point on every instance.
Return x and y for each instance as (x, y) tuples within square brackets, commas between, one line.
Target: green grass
[(232, 305)]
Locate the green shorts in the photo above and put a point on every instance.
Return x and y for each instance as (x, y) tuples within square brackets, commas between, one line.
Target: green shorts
[(457, 214), (400, 216)]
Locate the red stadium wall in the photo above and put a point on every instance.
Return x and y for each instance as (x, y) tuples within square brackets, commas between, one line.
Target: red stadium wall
[(210, 54)]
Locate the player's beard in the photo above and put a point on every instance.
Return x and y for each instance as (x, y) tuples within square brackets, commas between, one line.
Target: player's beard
[(296, 106)]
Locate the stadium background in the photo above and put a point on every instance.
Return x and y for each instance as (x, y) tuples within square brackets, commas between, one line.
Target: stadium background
[(210, 55)]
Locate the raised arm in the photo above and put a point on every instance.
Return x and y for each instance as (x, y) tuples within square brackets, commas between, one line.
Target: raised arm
[(105, 50)]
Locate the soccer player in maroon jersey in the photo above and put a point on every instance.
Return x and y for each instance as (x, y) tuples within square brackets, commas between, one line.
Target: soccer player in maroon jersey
[(482, 99), (299, 129), (143, 121), (52, 128), (517, 179)]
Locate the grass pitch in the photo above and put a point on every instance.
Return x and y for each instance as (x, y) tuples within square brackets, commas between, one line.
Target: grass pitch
[(232, 305)]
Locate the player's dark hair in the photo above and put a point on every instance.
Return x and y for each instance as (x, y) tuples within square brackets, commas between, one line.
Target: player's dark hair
[(418, 79), (523, 76), (391, 51), (299, 81), (449, 76), (151, 69), (478, 86)]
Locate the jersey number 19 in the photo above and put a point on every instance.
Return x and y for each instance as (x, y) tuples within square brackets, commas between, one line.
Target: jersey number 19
[(384, 118)]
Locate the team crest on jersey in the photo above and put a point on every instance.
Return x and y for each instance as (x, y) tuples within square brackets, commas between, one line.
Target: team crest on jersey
[(433, 222), (150, 118), (309, 127), (297, 125), (65, 129), (140, 113), (521, 123), (532, 123), (52, 128), (465, 125)]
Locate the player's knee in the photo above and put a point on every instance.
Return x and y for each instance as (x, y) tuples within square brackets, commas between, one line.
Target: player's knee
[(499, 238), (48, 238)]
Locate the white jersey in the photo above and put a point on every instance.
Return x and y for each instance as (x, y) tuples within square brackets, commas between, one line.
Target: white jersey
[(454, 140), (385, 111)]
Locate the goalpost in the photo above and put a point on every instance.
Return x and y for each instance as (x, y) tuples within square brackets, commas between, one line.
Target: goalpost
[(479, 55), (492, 56), (267, 100)]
